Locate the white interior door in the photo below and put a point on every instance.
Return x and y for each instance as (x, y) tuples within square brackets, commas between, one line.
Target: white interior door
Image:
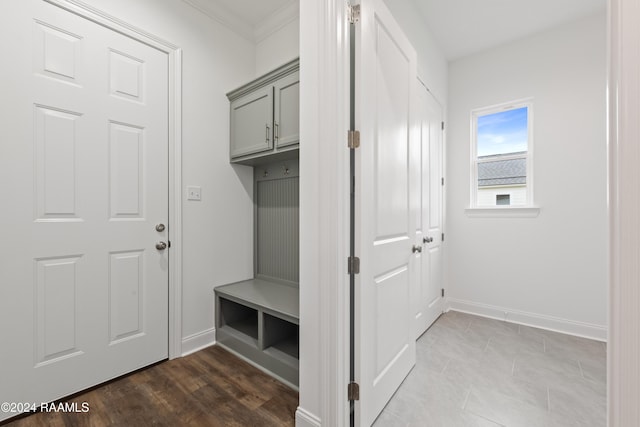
[(427, 161), (84, 161), (385, 84)]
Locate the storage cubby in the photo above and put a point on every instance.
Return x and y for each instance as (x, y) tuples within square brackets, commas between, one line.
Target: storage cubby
[(280, 335), (239, 317)]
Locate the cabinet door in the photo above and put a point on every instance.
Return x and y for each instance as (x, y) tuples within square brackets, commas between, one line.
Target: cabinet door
[(287, 110), (252, 122)]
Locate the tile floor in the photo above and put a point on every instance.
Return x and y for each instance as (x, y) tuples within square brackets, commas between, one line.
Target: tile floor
[(473, 371)]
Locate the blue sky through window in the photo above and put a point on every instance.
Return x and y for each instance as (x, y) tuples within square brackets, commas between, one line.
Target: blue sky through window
[(503, 132)]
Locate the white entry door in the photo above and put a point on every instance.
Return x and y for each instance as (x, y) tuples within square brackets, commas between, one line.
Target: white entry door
[(385, 85), (84, 161), (427, 161)]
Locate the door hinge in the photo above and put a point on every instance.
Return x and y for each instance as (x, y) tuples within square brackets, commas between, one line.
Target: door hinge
[(442, 292), (353, 265), (442, 180), (353, 391), (353, 13), (442, 125), (353, 139), (443, 237)]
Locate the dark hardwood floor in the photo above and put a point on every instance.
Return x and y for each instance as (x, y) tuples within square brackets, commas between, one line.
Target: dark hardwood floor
[(209, 388)]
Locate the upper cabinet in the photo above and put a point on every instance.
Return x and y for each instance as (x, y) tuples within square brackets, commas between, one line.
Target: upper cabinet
[(252, 122), (265, 118)]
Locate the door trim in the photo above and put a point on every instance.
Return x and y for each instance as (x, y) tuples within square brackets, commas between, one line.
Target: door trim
[(324, 214), (174, 56)]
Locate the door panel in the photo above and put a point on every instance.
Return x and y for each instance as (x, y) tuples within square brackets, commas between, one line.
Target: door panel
[(85, 170), (55, 153), (385, 78)]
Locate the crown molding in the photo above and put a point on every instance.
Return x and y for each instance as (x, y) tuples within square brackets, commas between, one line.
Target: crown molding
[(283, 16), (224, 16), (277, 20)]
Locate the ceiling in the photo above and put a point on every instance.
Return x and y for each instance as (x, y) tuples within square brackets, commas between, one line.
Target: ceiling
[(251, 11), (463, 27)]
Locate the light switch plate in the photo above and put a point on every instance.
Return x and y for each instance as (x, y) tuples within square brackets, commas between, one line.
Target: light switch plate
[(194, 193)]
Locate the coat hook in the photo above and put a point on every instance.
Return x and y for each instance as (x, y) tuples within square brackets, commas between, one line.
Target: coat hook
[(285, 168), (265, 173)]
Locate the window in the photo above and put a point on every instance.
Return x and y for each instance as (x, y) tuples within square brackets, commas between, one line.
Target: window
[(501, 147)]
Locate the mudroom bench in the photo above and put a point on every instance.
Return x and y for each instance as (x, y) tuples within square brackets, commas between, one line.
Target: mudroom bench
[(258, 320)]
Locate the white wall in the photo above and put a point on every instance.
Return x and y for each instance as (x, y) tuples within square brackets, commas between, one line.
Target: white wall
[(554, 266), (278, 48), (217, 231)]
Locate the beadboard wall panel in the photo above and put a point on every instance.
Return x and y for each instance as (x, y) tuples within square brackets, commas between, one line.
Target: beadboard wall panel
[(277, 223)]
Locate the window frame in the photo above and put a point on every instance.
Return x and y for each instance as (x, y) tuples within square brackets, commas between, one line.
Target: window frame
[(528, 209)]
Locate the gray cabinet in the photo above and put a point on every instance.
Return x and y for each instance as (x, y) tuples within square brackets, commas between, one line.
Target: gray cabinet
[(251, 123), (286, 119), (265, 124)]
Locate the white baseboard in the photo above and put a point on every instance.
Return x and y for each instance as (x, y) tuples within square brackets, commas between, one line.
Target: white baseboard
[(556, 324), (198, 341), (306, 419)]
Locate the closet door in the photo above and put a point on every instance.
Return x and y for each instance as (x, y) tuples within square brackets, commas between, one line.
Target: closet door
[(385, 88), (429, 158), (252, 123), (287, 111)]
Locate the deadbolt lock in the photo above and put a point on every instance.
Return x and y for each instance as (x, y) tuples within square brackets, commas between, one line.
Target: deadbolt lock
[(160, 227)]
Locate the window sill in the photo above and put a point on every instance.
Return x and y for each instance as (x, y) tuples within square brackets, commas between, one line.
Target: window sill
[(503, 212)]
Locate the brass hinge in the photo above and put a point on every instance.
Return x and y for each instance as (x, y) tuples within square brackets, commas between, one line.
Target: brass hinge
[(353, 265), (353, 139), (353, 391), (353, 12)]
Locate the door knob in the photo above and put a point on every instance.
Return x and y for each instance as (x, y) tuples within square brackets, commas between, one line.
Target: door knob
[(161, 246), (427, 240), (160, 227), (416, 248)]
